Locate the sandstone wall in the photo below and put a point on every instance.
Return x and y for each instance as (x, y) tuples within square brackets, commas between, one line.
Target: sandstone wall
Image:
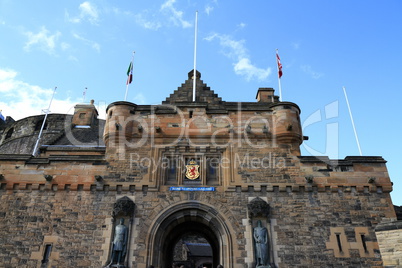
[(389, 235), (78, 224)]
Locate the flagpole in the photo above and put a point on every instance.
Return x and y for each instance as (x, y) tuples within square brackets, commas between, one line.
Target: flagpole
[(84, 94), (353, 123), (43, 124), (125, 95), (195, 54), (130, 73), (279, 75), (280, 89)]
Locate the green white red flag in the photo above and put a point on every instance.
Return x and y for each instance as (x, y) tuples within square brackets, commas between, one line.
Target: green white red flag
[(130, 73)]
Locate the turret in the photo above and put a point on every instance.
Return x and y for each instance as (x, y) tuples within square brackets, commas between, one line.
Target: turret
[(286, 121), (119, 122)]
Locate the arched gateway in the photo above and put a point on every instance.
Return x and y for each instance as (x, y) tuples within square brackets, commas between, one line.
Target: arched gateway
[(189, 217)]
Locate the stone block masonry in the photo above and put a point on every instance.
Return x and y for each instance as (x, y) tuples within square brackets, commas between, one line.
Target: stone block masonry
[(389, 235)]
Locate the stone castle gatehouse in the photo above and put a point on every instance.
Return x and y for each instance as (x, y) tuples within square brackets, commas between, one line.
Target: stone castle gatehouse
[(132, 190)]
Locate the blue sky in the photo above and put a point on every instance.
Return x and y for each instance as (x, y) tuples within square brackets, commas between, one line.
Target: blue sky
[(324, 45)]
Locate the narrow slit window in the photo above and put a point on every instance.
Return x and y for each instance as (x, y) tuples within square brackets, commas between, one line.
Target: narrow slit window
[(363, 237), (191, 114), (46, 253), (338, 239)]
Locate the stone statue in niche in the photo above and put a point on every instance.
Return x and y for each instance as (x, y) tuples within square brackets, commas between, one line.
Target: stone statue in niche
[(119, 247), (261, 245)]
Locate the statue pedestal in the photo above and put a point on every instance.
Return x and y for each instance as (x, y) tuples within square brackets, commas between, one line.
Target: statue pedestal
[(263, 266), (118, 266)]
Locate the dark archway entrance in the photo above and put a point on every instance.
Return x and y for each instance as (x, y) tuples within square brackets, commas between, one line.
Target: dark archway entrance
[(185, 218), (193, 250), (184, 229)]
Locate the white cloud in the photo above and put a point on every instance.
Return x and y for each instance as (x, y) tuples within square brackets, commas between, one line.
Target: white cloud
[(176, 15), (242, 25), (153, 20), (6, 75), (236, 51), (245, 68), (65, 46), (43, 39), (208, 9), (95, 46), (73, 19), (296, 45), (147, 24), (145, 19), (20, 99), (117, 11), (210, 6), (307, 69), (88, 11), (90, 43), (139, 98), (72, 58)]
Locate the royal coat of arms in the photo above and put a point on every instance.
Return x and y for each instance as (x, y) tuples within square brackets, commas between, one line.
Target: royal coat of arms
[(192, 170)]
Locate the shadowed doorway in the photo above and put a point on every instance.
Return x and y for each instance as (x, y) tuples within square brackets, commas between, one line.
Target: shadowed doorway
[(191, 244), (184, 220)]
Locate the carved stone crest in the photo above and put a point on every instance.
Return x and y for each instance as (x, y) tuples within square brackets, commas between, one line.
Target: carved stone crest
[(258, 208), (192, 171), (124, 207)]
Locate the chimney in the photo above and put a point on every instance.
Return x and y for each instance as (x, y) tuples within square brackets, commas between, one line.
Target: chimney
[(84, 114), (265, 94)]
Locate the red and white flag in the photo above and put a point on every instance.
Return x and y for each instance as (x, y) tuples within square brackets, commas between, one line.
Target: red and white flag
[(278, 60)]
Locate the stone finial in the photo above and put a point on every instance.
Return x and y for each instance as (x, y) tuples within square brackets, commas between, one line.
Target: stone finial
[(191, 74)]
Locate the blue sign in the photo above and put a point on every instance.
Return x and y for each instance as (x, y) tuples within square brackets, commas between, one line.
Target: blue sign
[(201, 189)]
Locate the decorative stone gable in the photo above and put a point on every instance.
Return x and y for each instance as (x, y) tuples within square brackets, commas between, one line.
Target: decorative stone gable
[(204, 94)]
